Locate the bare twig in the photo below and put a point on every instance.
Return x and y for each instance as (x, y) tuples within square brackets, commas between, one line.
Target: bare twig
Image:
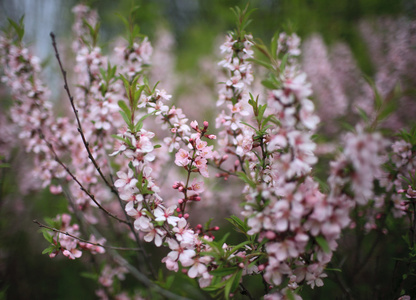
[(91, 196), (83, 240), (80, 130)]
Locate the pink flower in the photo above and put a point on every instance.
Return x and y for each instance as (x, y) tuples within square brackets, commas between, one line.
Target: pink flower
[(180, 253), (166, 214), (125, 181), (182, 158)]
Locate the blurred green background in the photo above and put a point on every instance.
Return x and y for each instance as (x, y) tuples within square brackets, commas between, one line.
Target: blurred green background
[(196, 25)]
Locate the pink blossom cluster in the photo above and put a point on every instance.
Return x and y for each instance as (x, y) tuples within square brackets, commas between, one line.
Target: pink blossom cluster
[(353, 173), (234, 137), (391, 45), (159, 223), (403, 163), (69, 246), (31, 111), (133, 59), (286, 206)]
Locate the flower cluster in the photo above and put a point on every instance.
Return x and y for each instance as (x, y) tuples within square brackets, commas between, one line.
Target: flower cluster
[(66, 241), (233, 96)]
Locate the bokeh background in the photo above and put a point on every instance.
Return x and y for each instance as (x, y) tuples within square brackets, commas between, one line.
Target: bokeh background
[(343, 41)]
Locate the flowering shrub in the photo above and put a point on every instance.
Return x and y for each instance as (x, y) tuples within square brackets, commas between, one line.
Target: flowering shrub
[(109, 155)]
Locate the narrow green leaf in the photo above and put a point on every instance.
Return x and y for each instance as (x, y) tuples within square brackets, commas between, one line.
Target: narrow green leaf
[(49, 250), (246, 179), (362, 114), (46, 235), (221, 272), (248, 125), (322, 242), (269, 84), (90, 275), (261, 63), (284, 61), (20, 31), (124, 107), (126, 118), (235, 248), (236, 280)]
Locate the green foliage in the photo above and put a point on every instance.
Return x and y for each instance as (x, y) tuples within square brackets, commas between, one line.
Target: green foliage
[(18, 27)]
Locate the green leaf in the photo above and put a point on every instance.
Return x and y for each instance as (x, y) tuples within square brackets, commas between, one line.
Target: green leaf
[(322, 242), (126, 118), (289, 295), (137, 95), (221, 272), (333, 269), (248, 125), (49, 250), (243, 176), (378, 100), (390, 107), (139, 123), (232, 283), (269, 84), (238, 223), (235, 248), (46, 235), (274, 44), (19, 28), (262, 109), (261, 63), (125, 108), (362, 114), (88, 275), (284, 61)]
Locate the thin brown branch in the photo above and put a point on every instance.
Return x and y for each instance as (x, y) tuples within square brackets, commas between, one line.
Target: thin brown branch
[(83, 240), (80, 130), (91, 196)]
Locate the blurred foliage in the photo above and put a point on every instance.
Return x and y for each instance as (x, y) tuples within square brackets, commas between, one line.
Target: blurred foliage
[(197, 24)]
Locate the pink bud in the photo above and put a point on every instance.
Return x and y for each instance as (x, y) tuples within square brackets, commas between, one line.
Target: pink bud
[(241, 265), (197, 198), (216, 228), (186, 216), (180, 201), (270, 235), (180, 216), (178, 209), (206, 124), (261, 267)]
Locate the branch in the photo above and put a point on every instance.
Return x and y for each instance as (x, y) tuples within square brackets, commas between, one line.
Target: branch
[(82, 240), (80, 130), (92, 197)]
